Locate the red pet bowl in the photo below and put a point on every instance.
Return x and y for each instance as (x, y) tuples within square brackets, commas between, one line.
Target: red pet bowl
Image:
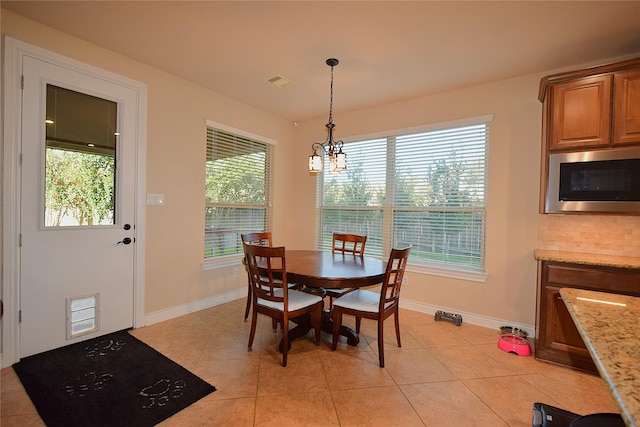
[(514, 344)]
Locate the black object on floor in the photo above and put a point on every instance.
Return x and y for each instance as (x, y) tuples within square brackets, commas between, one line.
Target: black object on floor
[(598, 420), (452, 317), (549, 416), (113, 380)]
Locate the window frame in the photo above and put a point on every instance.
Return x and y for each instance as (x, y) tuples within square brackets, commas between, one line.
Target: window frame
[(210, 263), (388, 209)]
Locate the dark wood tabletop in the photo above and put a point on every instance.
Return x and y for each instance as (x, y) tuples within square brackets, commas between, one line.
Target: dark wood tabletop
[(323, 269)]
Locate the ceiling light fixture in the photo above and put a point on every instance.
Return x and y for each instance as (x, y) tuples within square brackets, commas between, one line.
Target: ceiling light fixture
[(333, 149)]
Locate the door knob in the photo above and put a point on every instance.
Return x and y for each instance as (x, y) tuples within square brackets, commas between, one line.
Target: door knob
[(126, 241)]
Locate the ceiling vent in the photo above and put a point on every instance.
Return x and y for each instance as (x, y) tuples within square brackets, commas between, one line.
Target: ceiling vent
[(280, 81)]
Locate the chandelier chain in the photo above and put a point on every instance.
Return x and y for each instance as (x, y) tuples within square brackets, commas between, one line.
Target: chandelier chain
[(331, 99)]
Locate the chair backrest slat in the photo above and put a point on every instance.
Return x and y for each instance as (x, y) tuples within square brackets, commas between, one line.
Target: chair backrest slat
[(394, 274), (262, 238), (348, 243)]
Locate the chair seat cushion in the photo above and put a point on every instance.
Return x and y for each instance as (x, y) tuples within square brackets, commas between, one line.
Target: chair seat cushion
[(360, 300), (297, 300)]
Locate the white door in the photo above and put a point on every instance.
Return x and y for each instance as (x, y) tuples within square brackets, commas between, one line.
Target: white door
[(77, 206)]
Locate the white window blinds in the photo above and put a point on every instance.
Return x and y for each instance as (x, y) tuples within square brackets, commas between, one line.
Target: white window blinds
[(238, 190), (425, 189)]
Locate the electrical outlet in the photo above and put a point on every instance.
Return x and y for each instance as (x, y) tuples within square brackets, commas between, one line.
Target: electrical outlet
[(236, 272)]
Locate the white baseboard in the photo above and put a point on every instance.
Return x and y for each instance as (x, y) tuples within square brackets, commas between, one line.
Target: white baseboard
[(192, 307), (474, 319)]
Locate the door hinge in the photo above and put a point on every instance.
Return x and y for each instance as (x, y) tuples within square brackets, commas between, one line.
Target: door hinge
[(22, 82), (20, 316), (20, 160), (20, 240)]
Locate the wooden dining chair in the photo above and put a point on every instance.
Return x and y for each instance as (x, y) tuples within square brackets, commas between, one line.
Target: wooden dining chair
[(272, 297), (263, 239), (345, 243), (374, 305), (348, 243)]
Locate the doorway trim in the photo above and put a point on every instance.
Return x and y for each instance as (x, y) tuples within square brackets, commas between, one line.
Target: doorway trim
[(14, 52)]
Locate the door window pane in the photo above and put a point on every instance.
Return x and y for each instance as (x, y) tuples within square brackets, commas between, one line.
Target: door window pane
[(81, 132)]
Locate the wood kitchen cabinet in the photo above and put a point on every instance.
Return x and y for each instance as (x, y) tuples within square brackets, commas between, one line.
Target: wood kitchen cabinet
[(595, 108), (557, 338), (626, 117), (581, 113)]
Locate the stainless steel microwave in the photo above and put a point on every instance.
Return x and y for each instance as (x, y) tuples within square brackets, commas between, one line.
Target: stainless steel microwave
[(606, 181)]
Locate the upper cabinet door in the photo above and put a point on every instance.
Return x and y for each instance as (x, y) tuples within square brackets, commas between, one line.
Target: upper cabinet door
[(626, 118), (581, 113)]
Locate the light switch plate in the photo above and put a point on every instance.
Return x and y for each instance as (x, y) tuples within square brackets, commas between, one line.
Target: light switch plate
[(155, 199)]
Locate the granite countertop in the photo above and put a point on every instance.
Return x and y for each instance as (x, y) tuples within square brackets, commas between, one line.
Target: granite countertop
[(608, 324), (588, 259)]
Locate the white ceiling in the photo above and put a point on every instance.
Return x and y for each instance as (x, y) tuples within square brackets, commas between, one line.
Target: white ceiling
[(388, 50)]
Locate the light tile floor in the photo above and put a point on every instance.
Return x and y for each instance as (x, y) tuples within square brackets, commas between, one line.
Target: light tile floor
[(443, 375)]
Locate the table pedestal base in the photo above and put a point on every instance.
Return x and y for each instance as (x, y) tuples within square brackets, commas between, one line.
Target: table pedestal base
[(303, 326)]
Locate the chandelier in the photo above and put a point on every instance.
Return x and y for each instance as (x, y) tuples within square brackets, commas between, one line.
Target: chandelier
[(333, 149)]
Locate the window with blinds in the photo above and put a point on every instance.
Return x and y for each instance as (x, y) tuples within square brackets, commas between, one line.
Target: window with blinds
[(238, 191), (425, 189)]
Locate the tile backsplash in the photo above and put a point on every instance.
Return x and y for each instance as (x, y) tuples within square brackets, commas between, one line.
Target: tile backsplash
[(595, 234)]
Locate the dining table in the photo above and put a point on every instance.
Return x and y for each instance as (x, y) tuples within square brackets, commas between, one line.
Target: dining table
[(315, 271)]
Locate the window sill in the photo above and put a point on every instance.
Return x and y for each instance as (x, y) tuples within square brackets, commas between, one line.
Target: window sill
[(451, 273), (228, 261)]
